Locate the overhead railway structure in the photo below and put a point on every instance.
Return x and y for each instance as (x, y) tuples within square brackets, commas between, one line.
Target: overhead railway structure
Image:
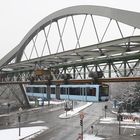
[(75, 41)]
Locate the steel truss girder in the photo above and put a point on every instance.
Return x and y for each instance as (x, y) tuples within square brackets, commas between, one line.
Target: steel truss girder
[(112, 69), (126, 68)]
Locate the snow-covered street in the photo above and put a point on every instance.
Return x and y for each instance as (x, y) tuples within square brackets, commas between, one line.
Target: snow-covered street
[(30, 132), (27, 133)]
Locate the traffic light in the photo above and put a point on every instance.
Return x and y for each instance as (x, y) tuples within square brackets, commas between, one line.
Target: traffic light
[(105, 106), (19, 118), (81, 122)]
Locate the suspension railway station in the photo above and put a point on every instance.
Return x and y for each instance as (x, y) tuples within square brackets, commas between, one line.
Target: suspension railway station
[(71, 45)]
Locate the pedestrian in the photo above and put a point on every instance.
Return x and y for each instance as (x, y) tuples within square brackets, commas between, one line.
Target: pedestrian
[(91, 130)]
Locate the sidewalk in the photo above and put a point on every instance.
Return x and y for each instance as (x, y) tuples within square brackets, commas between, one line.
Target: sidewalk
[(26, 133), (74, 112)]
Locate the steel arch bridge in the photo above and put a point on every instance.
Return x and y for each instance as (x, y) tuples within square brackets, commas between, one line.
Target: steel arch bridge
[(77, 40)]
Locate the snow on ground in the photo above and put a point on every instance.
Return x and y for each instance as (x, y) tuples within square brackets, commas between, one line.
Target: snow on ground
[(74, 111), (134, 114), (37, 122), (129, 122), (30, 132), (55, 102), (91, 137), (108, 120), (13, 133)]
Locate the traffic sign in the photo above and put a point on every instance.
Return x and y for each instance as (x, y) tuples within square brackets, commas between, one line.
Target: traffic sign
[(81, 115)]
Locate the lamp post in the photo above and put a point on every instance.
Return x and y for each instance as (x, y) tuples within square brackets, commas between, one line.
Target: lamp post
[(19, 120), (8, 105), (105, 107), (119, 119)]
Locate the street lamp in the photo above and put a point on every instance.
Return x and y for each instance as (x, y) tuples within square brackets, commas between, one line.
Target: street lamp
[(119, 119), (19, 120), (8, 105), (105, 107)]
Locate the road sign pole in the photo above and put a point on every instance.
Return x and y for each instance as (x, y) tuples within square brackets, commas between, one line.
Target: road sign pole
[(19, 118), (81, 124), (81, 121)]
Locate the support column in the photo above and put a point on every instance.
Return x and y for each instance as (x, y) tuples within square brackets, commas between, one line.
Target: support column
[(74, 76), (125, 69), (84, 67), (48, 93), (57, 91), (109, 70)]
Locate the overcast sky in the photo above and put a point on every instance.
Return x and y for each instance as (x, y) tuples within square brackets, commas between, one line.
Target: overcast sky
[(19, 16)]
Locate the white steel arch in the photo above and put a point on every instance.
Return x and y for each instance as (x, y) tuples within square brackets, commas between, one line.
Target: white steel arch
[(127, 17)]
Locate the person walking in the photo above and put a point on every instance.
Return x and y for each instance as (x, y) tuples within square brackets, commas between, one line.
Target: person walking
[(91, 130)]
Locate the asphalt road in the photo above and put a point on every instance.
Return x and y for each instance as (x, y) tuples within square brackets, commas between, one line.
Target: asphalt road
[(68, 129)]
